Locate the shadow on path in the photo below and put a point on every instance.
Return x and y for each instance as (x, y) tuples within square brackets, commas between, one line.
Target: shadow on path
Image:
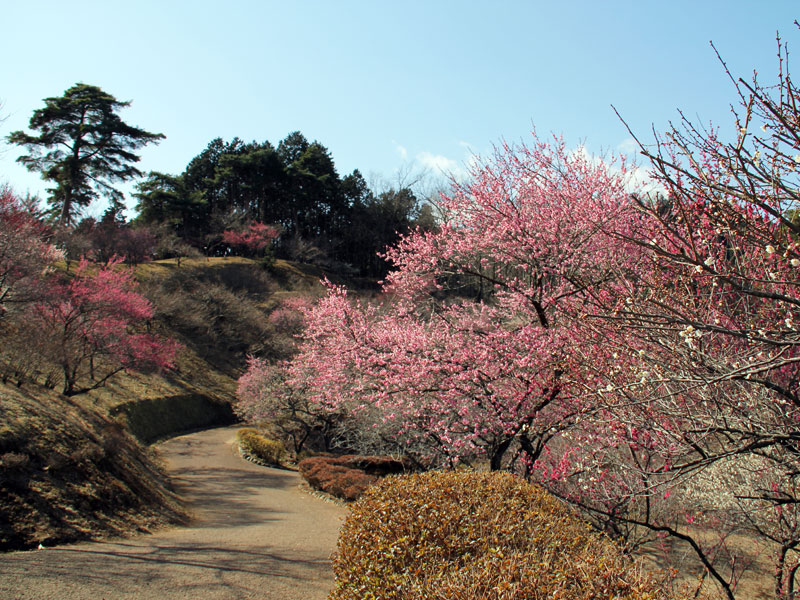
[(255, 534)]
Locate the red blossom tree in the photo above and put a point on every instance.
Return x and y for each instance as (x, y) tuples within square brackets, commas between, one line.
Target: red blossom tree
[(255, 238), (91, 327)]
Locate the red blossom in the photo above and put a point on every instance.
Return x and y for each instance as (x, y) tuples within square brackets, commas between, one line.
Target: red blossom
[(90, 325), (254, 238)]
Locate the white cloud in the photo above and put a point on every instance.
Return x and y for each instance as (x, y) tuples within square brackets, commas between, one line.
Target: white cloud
[(466, 146), (637, 178), (439, 163), (401, 150), (628, 146), (437, 167)]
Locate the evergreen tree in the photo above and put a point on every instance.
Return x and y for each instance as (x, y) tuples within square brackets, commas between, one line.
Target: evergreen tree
[(83, 147)]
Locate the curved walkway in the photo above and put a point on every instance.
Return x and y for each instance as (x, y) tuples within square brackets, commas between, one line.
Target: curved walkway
[(255, 535)]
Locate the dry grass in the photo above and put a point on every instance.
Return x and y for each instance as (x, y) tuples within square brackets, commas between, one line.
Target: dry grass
[(752, 558), (69, 473)]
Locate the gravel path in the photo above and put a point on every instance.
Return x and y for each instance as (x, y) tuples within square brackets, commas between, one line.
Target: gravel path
[(256, 534)]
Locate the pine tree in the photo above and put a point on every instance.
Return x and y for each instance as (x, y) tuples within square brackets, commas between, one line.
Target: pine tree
[(83, 147)]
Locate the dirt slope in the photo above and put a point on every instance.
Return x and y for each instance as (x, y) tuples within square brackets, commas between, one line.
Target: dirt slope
[(255, 534)]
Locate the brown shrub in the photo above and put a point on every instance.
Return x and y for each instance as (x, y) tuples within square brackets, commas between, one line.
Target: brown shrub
[(312, 468), (343, 476), (376, 465), (14, 460), (344, 483), (467, 535)]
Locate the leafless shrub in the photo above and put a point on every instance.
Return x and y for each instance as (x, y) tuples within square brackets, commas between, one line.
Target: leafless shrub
[(14, 460)]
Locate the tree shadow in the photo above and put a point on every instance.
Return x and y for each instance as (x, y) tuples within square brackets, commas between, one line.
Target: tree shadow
[(172, 570), (230, 497)]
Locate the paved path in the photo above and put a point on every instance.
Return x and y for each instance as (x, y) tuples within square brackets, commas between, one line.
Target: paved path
[(255, 535)]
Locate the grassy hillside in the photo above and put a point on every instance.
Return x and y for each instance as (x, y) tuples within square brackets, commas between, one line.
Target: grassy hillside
[(76, 468)]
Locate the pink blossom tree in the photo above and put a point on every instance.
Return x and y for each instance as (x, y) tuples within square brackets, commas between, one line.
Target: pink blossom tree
[(473, 355), (709, 320), (24, 251), (264, 396), (635, 353)]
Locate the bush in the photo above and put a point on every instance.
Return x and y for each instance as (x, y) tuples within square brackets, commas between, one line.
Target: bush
[(476, 535), (325, 474), (14, 460), (376, 465), (255, 445), (347, 477)]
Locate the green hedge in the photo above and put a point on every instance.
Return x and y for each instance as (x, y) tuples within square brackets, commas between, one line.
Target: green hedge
[(465, 535)]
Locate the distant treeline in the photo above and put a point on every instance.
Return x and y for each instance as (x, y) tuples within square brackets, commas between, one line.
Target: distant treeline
[(321, 217)]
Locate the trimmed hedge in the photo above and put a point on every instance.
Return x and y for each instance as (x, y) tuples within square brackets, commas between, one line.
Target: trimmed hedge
[(255, 445), (465, 535), (347, 477)]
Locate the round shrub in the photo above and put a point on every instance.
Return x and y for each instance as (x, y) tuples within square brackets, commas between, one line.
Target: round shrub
[(263, 449), (464, 535)]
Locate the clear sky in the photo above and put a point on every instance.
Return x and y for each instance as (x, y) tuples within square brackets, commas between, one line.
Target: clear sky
[(385, 85)]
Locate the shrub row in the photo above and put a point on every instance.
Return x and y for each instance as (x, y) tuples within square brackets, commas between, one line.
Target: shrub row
[(255, 445), (464, 535), (348, 476)]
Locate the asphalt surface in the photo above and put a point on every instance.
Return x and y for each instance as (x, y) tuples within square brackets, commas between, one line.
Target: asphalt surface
[(256, 534)]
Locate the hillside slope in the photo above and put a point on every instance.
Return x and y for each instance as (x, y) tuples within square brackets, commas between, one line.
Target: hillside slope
[(68, 472)]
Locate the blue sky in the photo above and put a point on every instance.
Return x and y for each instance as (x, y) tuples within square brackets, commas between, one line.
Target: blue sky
[(386, 85)]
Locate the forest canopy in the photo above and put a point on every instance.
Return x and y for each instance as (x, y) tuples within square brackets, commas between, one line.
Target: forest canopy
[(321, 216)]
